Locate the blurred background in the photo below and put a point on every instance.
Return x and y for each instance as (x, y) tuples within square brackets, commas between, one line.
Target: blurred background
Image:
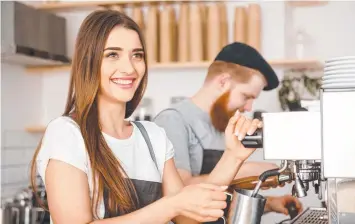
[(37, 42)]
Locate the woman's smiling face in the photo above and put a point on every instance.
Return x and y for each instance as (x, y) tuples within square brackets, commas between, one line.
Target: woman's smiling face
[(123, 65)]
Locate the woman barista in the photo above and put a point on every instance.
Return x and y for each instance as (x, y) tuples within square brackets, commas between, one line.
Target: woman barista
[(99, 168)]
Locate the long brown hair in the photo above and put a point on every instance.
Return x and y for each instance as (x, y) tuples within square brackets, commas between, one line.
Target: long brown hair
[(82, 106)]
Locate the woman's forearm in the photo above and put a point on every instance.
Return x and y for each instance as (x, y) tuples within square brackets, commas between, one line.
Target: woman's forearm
[(225, 170), (159, 212)]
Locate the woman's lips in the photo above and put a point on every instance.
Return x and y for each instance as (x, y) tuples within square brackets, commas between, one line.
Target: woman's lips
[(124, 83)]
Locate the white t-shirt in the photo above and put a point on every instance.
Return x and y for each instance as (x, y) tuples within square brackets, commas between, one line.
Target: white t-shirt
[(63, 141)]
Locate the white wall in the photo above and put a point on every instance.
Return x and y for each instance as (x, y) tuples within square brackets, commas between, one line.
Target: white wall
[(21, 103), (330, 29), (29, 99)]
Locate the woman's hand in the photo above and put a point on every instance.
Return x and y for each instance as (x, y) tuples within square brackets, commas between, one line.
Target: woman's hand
[(238, 127), (201, 202)]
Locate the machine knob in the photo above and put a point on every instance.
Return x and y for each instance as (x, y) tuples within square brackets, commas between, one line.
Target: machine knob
[(254, 141), (292, 210)]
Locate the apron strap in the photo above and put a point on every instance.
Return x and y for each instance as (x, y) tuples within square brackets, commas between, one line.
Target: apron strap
[(152, 154), (147, 141)]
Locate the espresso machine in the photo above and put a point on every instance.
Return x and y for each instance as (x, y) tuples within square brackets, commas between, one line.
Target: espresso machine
[(317, 147)]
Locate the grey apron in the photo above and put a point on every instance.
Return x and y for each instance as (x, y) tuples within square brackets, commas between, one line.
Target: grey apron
[(209, 161), (147, 191)]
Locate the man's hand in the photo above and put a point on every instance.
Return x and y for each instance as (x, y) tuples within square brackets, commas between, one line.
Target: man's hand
[(238, 127), (278, 204)]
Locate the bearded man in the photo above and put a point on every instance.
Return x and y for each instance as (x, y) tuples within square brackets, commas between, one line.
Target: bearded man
[(196, 125)]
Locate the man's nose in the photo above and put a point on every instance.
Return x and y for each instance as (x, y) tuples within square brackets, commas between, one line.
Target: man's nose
[(248, 106)]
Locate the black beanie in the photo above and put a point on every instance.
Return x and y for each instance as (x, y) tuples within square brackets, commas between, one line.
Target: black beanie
[(245, 55)]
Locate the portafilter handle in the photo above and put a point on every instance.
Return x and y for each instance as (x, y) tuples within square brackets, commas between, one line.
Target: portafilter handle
[(267, 174), (263, 177), (255, 140)]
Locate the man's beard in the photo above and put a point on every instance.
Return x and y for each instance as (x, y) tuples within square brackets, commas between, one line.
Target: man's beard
[(220, 114)]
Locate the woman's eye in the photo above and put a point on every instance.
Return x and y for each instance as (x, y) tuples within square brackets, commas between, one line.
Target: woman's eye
[(138, 55), (112, 55)]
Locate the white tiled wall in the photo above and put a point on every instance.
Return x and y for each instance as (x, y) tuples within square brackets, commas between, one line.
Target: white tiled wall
[(16, 154), (20, 103)]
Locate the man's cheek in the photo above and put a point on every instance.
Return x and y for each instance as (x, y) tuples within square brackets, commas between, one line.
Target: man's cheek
[(233, 105)]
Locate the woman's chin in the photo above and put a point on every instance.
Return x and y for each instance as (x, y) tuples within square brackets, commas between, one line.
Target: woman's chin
[(116, 99), (123, 98)]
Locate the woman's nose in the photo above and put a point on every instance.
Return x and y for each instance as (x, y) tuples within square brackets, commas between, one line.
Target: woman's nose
[(126, 66)]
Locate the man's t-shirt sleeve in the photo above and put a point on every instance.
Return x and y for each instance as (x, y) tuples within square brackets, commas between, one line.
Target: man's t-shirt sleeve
[(177, 133)]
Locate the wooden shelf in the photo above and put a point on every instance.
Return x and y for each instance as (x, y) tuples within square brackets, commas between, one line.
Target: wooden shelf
[(307, 3), (83, 5), (35, 129), (282, 63), (297, 64), (286, 64)]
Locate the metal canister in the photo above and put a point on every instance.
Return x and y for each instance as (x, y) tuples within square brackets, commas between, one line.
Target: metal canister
[(244, 208)]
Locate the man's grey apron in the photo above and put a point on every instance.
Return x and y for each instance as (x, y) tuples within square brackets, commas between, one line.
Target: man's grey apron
[(209, 161), (147, 191)]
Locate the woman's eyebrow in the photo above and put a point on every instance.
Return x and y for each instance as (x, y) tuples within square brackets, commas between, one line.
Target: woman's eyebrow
[(121, 49), (113, 48)]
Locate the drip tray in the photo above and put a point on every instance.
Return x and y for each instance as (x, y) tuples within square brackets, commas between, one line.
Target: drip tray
[(312, 216)]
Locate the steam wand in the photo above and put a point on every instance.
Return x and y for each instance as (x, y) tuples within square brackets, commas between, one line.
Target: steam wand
[(266, 175)]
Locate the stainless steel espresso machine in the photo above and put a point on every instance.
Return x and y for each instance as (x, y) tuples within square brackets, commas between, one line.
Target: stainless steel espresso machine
[(318, 147)]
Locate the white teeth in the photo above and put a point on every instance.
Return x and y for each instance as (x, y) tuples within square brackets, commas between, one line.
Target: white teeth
[(122, 81)]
